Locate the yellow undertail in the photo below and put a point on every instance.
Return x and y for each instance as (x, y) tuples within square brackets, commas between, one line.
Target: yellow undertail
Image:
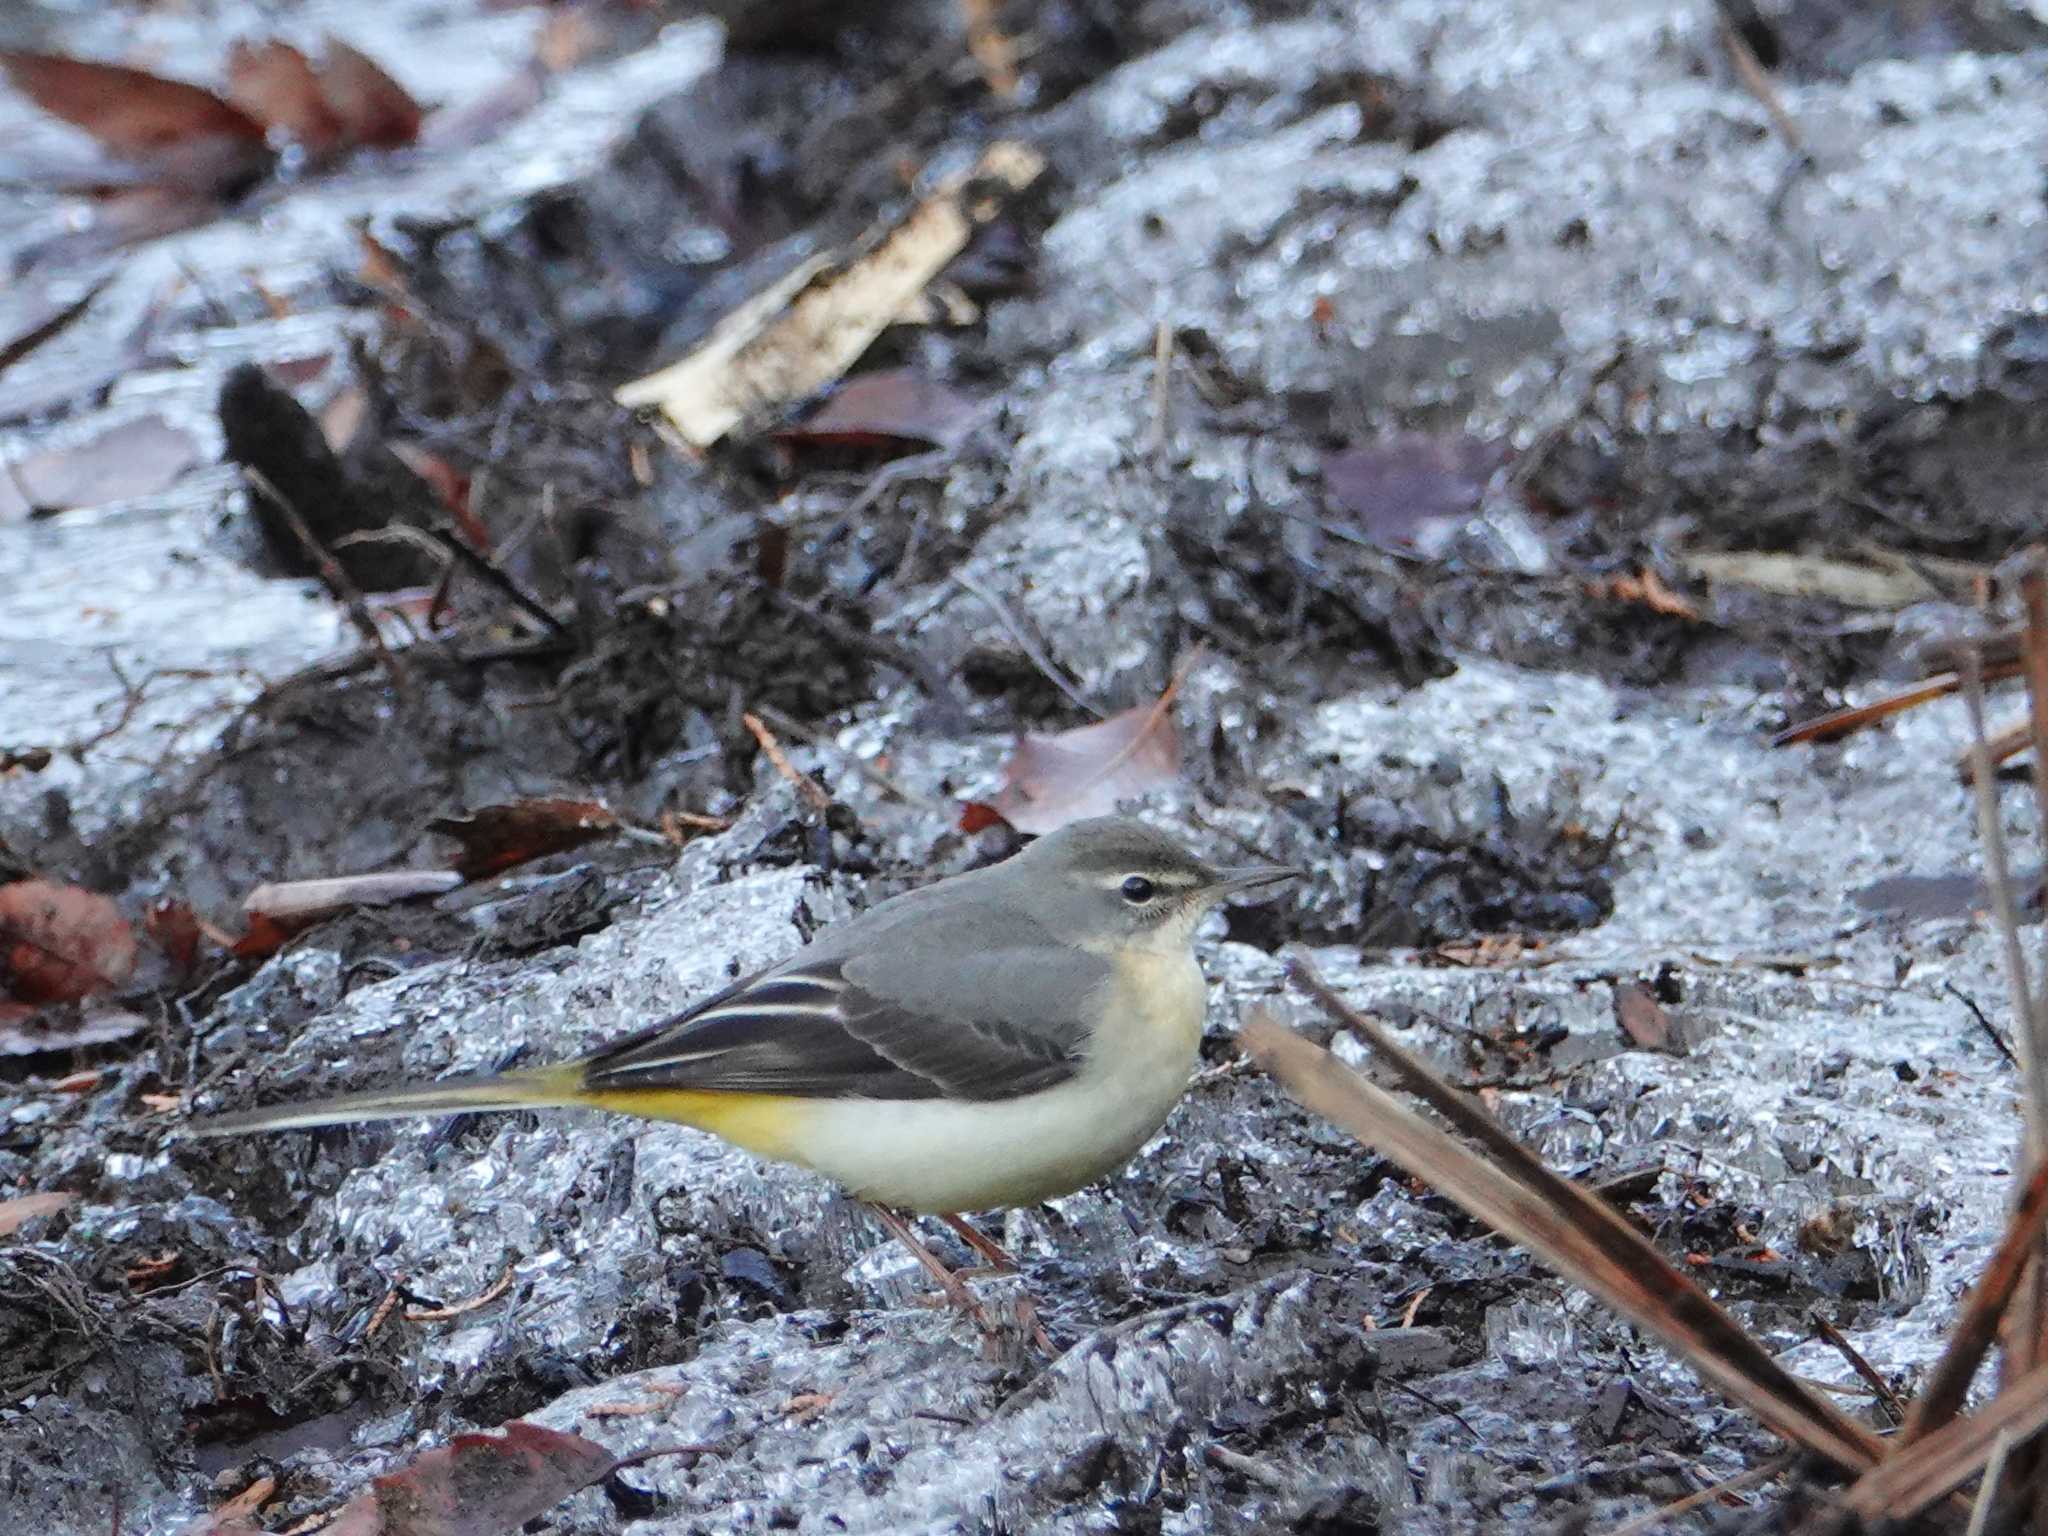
[(761, 1123)]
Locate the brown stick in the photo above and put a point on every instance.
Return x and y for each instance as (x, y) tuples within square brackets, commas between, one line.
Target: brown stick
[(1861, 1367), (808, 789)]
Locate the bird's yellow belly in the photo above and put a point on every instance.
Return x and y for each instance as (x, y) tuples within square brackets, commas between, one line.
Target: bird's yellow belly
[(950, 1155)]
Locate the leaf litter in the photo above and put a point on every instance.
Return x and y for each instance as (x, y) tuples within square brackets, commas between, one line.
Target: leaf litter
[(1090, 770)]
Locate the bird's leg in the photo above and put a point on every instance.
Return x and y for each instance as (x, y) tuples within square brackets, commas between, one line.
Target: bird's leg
[(968, 1233), (999, 1257), (934, 1266)]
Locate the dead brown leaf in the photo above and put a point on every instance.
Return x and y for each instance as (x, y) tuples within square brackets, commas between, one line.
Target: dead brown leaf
[(477, 1485), (61, 943), (447, 482), (895, 410), (374, 109), (174, 927), (1052, 780), (1644, 1020), (277, 85), (500, 836), (129, 111)]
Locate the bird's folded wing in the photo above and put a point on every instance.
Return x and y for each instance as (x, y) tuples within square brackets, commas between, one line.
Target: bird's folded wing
[(998, 1025)]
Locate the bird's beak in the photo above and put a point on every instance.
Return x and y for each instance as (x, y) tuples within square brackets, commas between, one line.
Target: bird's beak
[(1252, 877)]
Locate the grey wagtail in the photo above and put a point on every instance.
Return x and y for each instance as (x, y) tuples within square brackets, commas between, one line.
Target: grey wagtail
[(997, 1038)]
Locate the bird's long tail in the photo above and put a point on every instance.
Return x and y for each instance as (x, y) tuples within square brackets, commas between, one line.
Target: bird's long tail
[(450, 1096)]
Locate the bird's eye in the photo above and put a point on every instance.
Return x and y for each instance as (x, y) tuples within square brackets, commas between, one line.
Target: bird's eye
[(1138, 890)]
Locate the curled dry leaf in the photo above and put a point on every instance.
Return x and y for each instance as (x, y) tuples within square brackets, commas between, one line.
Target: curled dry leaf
[(60, 943), (1646, 589), (477, 1485), (1052, 780), (500, 836)]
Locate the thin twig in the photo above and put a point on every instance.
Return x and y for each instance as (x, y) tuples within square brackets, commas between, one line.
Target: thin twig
[(491, 575), (937, 686), (2027, 1330), (861, 765), (333, 577), (1983, 1022), (1861, 1367), (462, 1308), (2034, 660), (1162, 394), (1030, 647), (1987, 1491), (1750, 71), (808, 789), (1992, 833), (1762, 1473)]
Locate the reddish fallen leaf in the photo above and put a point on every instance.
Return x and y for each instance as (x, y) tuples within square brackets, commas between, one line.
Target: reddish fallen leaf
[(26, 1031), (374, 109), (277, 85), (978, 816), (1052, 780), (142, 457), (60, 943), (477, 1485), (446, 482), (25, 1208), (1645, 1021), (1409, 493), (500, 836), (896, 410), (174, 927), (300, 901), (129, 111), (265, 936)]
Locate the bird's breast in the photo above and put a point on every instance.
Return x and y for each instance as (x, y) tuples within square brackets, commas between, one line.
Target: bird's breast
[(956, 1155)]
